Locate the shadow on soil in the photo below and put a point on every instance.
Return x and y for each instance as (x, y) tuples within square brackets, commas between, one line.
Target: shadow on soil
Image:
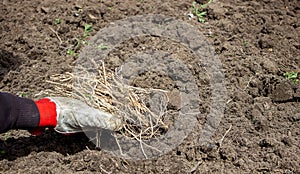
[(8, 62), (13, 148)]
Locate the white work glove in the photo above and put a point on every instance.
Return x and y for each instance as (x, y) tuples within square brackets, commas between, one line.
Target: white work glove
[(67, 115), (76, 116)]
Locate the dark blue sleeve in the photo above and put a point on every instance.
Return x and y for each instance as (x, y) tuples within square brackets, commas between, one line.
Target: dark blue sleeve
[(17, 113)]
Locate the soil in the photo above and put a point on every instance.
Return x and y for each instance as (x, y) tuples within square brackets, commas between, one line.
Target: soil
[(256, 41)]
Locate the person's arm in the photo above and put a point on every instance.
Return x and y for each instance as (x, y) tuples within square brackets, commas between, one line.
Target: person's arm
[(17, 113), (65, 115)]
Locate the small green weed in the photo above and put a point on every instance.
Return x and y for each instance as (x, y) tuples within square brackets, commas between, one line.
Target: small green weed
[(245, 43), (211, 36), (200, 13), (71, 52), (22, 94), (87, 29), (81, 41), (102, 47), (292, 76), (57, 21)]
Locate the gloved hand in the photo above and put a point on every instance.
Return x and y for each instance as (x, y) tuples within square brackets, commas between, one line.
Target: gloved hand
[(67, 115)]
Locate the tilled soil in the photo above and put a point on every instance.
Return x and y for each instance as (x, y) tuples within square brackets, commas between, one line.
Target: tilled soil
[(256, 41)]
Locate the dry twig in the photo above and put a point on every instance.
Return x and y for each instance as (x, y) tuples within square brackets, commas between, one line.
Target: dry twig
[(60, 41), (221, 140)]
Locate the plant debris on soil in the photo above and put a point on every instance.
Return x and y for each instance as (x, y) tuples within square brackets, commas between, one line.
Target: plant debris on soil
[(106, 92), (256, 41)]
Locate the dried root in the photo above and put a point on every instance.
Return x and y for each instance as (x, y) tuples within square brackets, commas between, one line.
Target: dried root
[(106, 91)]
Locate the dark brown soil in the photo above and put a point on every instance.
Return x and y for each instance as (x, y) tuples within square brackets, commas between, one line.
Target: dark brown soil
[(256, 41)]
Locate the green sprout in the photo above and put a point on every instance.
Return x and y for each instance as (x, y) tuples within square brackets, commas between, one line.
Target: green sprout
[(71, 52), (200, 13), (292, 76), (102, 47), (57, 21), (81, 41), (22, 94), (245, 43), (87, 29)]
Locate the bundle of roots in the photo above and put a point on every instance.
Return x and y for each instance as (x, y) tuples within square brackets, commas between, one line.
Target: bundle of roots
[(142, 111)]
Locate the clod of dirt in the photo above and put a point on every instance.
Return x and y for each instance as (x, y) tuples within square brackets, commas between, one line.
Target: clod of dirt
[(269, 65), (267, 142), (278, 89), (206, 148), (287, 141), (297, 91), (228, 153), (295, 117), (262, 103), (265, 42), (283, 91), (174, 99), (258, 120), (45, 9)]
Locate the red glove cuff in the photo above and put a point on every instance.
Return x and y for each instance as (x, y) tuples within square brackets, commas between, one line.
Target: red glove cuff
[(47, 110)]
